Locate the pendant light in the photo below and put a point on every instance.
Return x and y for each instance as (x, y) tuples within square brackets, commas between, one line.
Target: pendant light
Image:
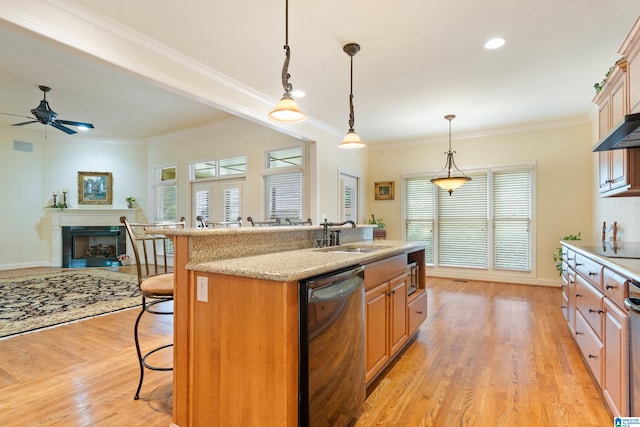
[(351, 140), (286, 110), (455, 178)]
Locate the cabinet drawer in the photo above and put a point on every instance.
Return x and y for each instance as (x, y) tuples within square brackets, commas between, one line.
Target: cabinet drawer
[(590, 270), (589, 304), (590, 346), (565, 307), (417, 312), (615, 287), (380, 271), (568, 256)]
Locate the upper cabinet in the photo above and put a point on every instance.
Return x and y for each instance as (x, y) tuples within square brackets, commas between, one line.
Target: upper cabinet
[(619, 170)]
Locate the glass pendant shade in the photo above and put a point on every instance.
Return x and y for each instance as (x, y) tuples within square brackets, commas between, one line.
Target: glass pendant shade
[(351, 140), (287, 111)]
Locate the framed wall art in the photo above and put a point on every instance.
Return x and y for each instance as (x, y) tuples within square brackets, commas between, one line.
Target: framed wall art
[(384, 190), (95, 188)]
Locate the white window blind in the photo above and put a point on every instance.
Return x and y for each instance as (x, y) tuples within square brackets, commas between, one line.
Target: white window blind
[(419, 211), (283, 195), (462, 224), (202, 204), (166, 203), (486, 223), (512, 220), (231, 203)]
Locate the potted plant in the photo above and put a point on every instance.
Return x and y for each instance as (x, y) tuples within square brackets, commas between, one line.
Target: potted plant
[(130, 201), (557, 256), (380, 232)]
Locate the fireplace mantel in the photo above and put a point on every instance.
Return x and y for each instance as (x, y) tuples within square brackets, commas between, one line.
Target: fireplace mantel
[(70, 217)]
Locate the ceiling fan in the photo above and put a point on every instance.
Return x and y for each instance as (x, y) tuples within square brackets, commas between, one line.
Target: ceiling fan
[(45, 115)]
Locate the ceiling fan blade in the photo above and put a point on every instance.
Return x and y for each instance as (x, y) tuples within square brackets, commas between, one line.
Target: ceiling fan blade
[(17, 115), (63, 128), (72, 123), (24, 123)]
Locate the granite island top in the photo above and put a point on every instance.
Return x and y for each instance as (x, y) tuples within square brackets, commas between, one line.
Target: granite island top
[(304, 263), (629, 267)]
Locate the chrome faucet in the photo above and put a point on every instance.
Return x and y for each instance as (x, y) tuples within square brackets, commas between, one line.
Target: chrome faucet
[(334, 238)]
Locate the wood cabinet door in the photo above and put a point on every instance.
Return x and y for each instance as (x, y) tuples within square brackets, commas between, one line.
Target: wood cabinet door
[(377, 322), (398, 312), (615, 386)]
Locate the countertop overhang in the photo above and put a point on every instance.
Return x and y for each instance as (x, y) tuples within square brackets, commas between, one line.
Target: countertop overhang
[(629, 267), (303, 263)]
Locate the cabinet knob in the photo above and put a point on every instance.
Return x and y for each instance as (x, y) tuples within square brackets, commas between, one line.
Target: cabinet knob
[(578, 295), (591, 356), (419, 312), (563, 307), (578, 264), (591, 273), (579, 333), (591, 310), (608, 286)]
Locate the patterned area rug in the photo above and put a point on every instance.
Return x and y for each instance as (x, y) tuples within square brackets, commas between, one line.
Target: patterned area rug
[(34, 302)]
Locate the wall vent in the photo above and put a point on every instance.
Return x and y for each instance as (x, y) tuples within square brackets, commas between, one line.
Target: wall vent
[(27, 147)]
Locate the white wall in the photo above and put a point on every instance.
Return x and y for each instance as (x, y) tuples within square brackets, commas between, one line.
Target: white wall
[(29, 179), (564, 187)]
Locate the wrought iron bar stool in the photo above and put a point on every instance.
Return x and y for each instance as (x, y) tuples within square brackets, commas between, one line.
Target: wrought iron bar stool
[(154, 281)]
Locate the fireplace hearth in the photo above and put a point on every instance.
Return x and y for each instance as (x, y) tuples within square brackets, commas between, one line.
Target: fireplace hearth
[(92, 246)]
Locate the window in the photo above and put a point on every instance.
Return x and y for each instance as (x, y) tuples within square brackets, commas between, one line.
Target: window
[(284, 184), (349, 197), (166, 199), (166, 195), (486, 223)]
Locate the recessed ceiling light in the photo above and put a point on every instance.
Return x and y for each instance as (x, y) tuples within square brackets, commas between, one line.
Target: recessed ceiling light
[(495, 43), (298, 93)]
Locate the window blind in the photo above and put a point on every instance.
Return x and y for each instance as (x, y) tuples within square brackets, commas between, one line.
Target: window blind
[(512, 220), (283, 195), (486, 223), (462, 224)]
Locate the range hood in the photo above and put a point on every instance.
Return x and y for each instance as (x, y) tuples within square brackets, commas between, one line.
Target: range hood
[(626, 135)]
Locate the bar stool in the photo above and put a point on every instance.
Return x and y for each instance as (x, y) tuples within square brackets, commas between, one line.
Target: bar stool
[(154, 281)]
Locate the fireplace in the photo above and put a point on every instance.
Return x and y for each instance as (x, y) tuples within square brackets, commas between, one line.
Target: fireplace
[(92, 246)]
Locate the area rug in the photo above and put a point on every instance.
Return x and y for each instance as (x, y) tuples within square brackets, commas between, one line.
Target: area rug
[(34, 302)]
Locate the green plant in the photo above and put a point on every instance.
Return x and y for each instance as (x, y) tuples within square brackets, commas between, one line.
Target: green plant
[(131, 199), (557, 256), (598, 86), (379, 222)]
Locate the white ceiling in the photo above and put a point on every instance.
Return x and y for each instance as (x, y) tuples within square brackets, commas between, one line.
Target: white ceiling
[(419, 61)]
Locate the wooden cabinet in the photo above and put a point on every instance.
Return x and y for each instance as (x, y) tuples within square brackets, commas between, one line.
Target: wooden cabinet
[(392, 316), (619, 170), (600, 323), (615, 381), (386, 319)]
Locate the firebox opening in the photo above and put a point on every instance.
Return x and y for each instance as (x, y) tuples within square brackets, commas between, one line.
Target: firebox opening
[(92, 246)]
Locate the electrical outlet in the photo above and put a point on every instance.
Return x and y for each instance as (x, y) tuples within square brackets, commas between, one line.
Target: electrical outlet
[(202, 291)]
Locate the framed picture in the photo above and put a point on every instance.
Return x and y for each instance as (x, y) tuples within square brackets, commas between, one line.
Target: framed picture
[(95, 188), (384, 190)]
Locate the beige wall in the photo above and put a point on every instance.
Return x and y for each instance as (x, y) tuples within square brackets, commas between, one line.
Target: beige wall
[(564, 184)]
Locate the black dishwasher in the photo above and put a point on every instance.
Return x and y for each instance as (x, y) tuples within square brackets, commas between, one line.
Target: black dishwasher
[(332, 348)]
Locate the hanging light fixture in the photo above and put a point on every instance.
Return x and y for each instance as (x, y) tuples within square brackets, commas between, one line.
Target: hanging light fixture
[(451, 181), (286, 110), (351, 140)]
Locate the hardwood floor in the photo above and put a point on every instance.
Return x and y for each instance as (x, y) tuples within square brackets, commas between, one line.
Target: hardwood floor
[(489, 354)]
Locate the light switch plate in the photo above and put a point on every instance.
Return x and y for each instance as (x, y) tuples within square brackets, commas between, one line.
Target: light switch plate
[(202, 291)]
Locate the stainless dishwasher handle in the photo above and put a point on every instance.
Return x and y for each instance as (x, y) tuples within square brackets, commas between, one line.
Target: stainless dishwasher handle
[(632, 304), (336, 290)]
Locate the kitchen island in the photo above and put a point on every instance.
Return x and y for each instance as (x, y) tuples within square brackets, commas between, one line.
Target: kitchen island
[(236, 329)]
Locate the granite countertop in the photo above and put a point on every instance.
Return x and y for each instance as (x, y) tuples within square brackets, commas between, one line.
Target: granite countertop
[(628, 267), (304, 263)]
